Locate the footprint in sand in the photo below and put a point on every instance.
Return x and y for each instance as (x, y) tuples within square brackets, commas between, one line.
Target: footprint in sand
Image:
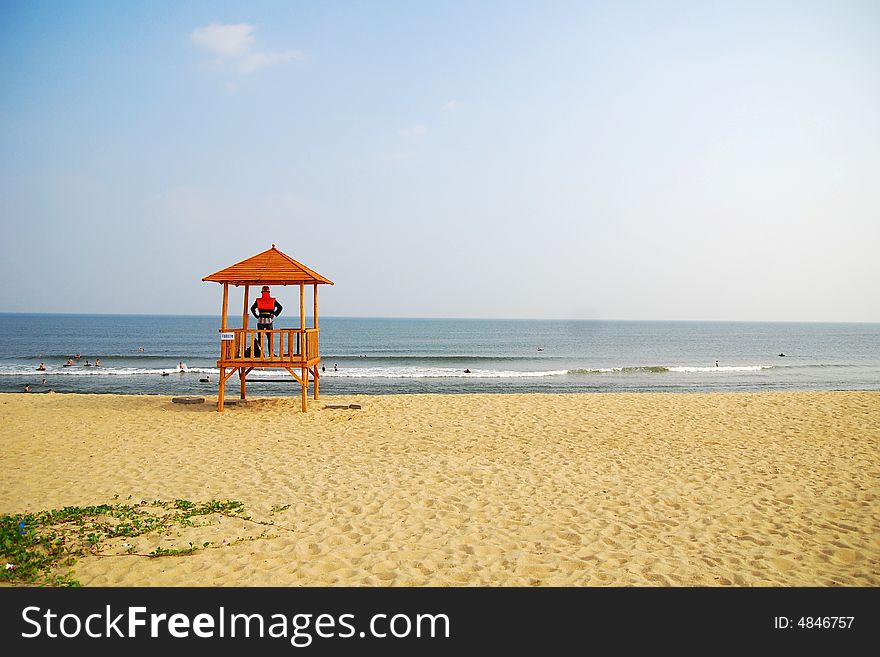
[(847, 556), (309, 550), (782, 564), (569, 537), (330, 566), (487, 550)]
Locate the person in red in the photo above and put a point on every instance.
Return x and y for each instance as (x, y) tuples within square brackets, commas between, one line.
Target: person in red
[(266, 308)]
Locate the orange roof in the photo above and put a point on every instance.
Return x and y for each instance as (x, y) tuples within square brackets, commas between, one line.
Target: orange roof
[(271, 267)]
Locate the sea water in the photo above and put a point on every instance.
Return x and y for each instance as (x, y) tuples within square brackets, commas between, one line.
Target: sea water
[(140, 354)]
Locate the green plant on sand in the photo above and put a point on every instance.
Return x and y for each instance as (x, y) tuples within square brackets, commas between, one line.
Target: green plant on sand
[(40, 548)]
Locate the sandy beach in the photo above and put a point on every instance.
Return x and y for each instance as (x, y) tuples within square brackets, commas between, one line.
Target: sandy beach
[(743, 489)]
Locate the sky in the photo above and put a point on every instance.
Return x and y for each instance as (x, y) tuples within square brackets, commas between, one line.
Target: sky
[(563, 160)]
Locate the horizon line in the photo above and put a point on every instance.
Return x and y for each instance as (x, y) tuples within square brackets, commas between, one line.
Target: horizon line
[(485, 319)]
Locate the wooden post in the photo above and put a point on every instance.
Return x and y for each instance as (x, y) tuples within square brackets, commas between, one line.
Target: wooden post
[(223, 316), (221, 389), (302, 307), (315, 324), (225, 306), (302, 322), (305, 388), (245, 315)]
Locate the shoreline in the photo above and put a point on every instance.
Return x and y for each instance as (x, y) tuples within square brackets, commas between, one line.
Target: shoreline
[(211, 398), (479, 489)]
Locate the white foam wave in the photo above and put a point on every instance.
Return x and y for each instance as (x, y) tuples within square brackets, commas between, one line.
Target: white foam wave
[(722, 368), (105, 371), (433, 373)]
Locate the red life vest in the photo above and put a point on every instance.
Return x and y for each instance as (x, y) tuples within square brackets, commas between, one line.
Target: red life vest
[(266, 302)]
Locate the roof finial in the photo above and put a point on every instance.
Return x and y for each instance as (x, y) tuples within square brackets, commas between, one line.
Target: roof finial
[(273, 246)]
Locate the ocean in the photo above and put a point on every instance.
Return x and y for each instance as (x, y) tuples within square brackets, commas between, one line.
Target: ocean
[(381, 356)]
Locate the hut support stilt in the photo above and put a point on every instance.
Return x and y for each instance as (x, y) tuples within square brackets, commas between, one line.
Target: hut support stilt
[(305, 389), (221, 389)]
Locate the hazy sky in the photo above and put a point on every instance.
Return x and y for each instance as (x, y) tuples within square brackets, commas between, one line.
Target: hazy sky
[(609, 160)]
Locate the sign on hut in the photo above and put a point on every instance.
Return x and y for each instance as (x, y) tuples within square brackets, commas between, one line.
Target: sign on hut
[(292, 349)]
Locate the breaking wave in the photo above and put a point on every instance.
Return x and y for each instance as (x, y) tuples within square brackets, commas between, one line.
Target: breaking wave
[(658, 369)]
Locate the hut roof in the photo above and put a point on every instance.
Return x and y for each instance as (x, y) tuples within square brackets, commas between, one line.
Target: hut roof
[(271, 267)]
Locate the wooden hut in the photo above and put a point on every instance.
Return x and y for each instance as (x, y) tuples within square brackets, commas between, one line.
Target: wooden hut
[(292, 349)]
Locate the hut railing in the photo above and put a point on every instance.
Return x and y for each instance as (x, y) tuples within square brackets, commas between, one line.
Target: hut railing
[(311, 343), (277, 346)]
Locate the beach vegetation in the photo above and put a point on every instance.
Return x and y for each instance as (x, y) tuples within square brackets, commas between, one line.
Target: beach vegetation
[(174, 552), (41, 548)]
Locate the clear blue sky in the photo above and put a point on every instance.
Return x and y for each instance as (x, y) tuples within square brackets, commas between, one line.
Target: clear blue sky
[(611, 160)]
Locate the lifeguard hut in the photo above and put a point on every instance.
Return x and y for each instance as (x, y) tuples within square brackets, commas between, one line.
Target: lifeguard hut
[(292, 349)]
